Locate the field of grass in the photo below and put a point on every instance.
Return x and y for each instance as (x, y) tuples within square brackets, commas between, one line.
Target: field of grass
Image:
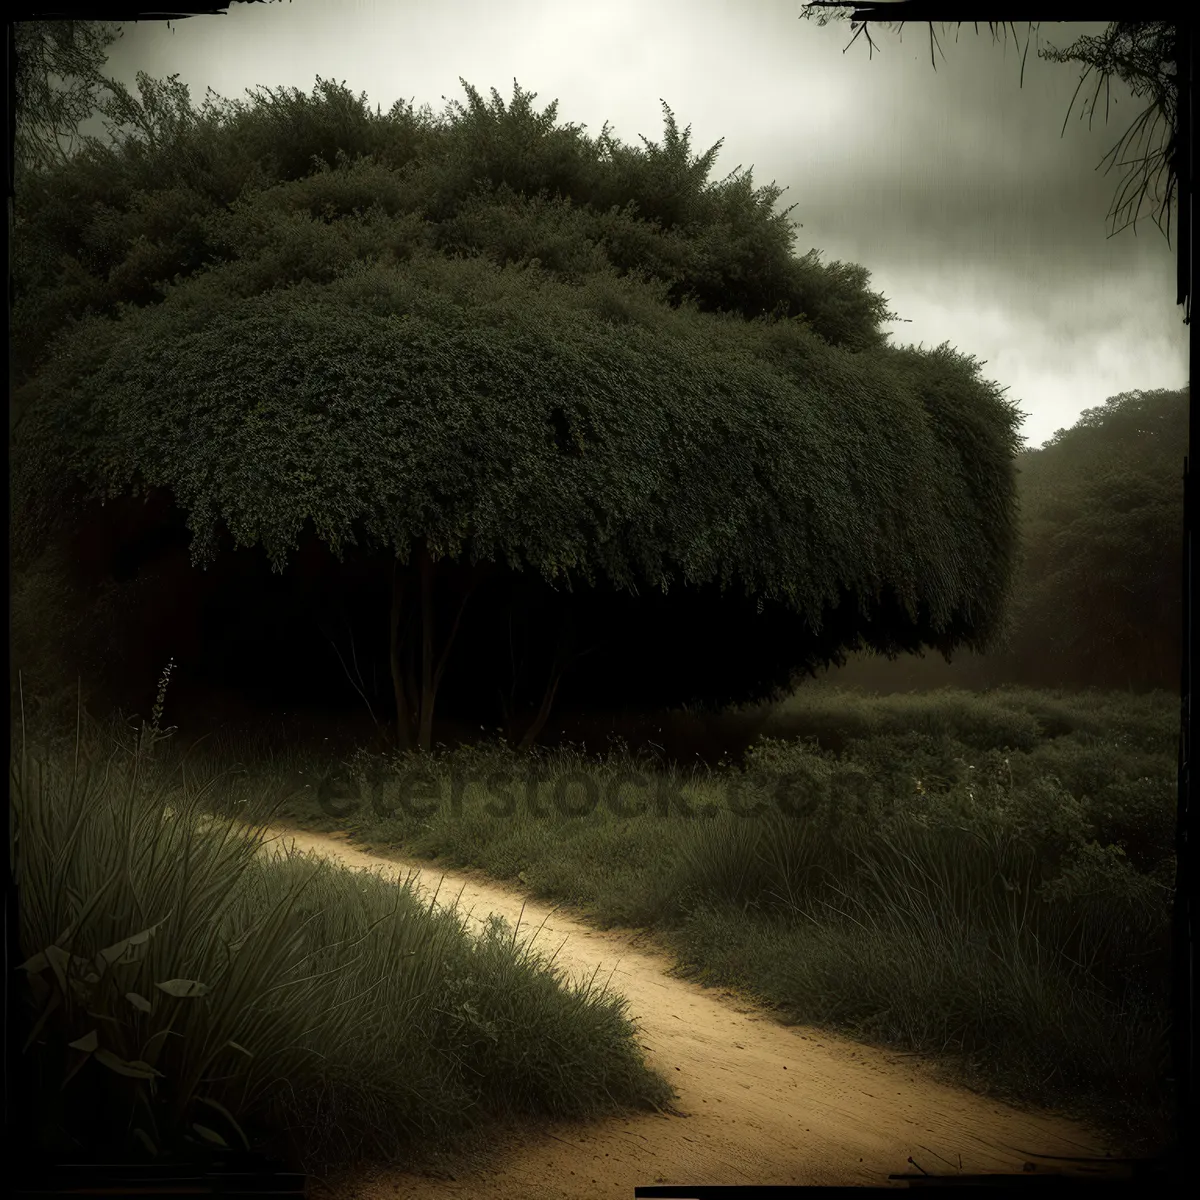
[(187, 990), (981, 878)]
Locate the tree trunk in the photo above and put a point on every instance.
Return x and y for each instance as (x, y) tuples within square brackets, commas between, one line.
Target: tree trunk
[(426, 703), (543, 713), (563, 658), (396, 645), (509, 705), (415, 676)]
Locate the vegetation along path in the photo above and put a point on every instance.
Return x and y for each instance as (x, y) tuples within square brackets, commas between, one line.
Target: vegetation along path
[(759, 1103)]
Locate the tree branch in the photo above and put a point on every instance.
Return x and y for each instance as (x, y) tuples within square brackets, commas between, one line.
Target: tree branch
[(437, 677)]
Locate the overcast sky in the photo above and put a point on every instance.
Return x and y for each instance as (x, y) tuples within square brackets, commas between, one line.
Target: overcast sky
[(979, 222)]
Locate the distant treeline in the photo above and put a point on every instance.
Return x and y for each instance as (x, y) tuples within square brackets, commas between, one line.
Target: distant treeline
[(1099, 591)]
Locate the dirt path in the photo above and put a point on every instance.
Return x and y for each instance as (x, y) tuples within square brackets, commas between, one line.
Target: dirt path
[(763, 1103)]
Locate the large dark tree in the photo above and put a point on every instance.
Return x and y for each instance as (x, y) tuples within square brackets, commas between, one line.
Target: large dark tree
[(1096, 597), (484, 353)]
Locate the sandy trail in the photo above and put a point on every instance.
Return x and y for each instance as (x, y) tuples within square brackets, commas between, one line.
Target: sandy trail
[(762, 1103)]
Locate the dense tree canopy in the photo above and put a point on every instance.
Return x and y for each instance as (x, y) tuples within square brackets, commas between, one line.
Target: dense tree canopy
[(489, 339), (1098, 598), (119, 222)]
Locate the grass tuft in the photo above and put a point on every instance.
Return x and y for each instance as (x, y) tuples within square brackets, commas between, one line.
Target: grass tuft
[(189, 984)]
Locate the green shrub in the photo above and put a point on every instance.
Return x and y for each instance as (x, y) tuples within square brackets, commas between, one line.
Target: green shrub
[(839, 716)]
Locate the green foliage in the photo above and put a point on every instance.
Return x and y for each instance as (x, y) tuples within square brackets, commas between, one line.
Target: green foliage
[(515, 343), (837, 717), (1130, 803), (288, 133), (488, 146), (1095, 599), (120, 219), (1111, 754), (160, 119), (980, 877), (1098, 598), (650, 209), (424, 396), (175, 972)]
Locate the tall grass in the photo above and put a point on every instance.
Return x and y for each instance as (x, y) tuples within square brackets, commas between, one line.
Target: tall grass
[(982, 878), (189, 984)]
